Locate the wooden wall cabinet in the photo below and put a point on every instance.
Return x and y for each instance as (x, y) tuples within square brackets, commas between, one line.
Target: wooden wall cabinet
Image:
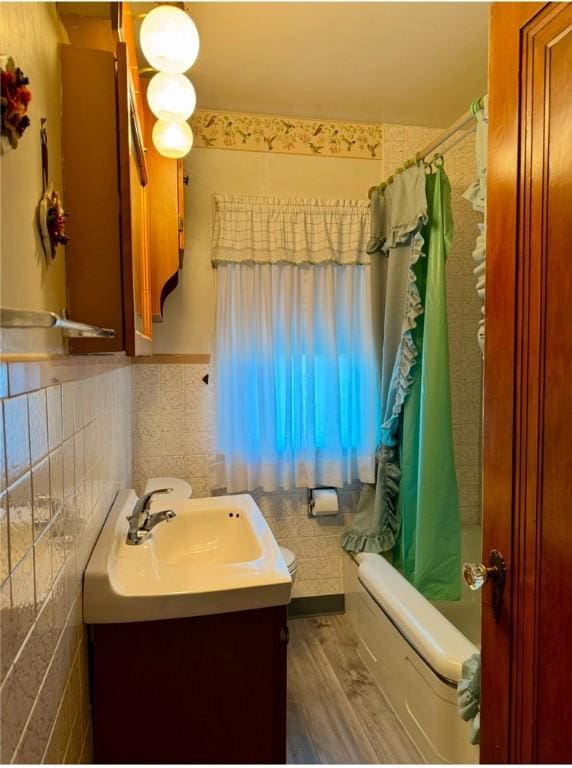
[(105, 190)]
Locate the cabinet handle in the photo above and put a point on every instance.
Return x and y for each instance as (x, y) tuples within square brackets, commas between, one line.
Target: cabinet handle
[(285, 635)]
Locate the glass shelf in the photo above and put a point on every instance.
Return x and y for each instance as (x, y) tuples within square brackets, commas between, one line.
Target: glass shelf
[(29, 318)]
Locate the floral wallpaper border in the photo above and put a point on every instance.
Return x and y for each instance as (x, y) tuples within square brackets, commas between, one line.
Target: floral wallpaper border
[(289, 135)]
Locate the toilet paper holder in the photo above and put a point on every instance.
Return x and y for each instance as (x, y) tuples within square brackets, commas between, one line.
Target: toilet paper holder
[(311, 501)]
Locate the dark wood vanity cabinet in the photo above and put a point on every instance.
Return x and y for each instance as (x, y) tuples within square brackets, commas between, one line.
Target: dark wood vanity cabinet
[(208, 689)]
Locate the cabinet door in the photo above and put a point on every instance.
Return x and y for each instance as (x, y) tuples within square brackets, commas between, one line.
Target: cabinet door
[(91, 184), (105, 178), (134, 215)]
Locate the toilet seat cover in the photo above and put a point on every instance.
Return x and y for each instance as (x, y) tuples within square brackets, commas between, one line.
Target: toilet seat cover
[(289, 558)]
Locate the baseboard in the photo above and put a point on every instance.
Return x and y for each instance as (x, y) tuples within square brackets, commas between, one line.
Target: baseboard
[(320, 605)]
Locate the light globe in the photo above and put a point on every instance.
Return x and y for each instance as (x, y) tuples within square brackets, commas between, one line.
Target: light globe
[(171, 97), (169, 39), (173, 140)]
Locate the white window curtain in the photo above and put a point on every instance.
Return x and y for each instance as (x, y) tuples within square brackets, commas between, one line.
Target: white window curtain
[(296, 383)]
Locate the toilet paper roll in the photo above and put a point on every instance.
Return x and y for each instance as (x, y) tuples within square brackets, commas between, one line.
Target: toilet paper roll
[(324, 501)]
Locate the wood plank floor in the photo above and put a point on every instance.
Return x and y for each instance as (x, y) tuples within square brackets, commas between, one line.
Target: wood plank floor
[(336, 712)]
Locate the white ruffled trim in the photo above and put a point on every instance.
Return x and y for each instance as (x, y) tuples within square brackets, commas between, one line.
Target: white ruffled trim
[(407, 352)]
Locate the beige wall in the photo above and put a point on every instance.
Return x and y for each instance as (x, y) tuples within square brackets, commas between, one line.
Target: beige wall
[(30, 33), (189, 310)]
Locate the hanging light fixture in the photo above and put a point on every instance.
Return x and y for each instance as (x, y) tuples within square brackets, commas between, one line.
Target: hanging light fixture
[(169, 39), (173, 140), (171, 97)]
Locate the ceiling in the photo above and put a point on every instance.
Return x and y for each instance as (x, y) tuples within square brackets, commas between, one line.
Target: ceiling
[(410, 63)]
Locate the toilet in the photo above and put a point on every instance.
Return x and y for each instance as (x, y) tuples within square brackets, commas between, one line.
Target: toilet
[(291, 562)]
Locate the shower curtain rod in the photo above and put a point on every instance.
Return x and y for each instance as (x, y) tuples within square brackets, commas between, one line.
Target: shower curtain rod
[(458, 125)]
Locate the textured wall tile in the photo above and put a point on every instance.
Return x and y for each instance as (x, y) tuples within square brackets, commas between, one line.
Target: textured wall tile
[(147, 432), (329, 546), (79, 458), (11, 718), (60, 603), (8, 644), (57, 534), (67, 409), (38, 417), (201, 487), (3, 481), (4, 543), (17, 437), (174, 435), (43, 568), (22, 612), (286, 527), (78, 409), (56, 481), (20, 519), (41, 501), (172, 388), (54, 402), (69, 466), (307, 547), (196, 398)]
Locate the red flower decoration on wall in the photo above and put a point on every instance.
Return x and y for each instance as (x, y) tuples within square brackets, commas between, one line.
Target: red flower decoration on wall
[(14, 99)]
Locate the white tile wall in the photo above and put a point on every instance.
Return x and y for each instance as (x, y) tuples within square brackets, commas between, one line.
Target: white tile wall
[(57, 499)]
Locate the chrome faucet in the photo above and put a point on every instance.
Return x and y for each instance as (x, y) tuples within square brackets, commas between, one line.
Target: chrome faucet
[(142, 522)]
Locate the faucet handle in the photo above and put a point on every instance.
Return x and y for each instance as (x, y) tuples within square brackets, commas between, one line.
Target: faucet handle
[(146, 498)]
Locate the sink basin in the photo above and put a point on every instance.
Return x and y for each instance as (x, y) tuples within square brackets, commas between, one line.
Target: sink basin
[(217, 555)]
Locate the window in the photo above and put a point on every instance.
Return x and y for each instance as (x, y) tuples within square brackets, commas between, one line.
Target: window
[(296, 385)]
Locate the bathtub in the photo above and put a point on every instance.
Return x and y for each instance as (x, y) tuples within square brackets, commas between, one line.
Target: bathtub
[(414, 649)]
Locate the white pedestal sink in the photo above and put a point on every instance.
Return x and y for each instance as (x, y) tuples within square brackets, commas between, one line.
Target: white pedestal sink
[(218, 555)]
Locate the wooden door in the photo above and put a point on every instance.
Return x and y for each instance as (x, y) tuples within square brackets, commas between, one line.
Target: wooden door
[(527, 459)]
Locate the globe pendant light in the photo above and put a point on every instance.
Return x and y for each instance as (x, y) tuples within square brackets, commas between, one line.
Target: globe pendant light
[(173, 140), (171, 97), (169, 39)]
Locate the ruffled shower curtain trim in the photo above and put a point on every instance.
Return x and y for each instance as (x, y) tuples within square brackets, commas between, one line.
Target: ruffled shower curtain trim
[(407, 353), (387, 484), (396, 221), (476, 194)]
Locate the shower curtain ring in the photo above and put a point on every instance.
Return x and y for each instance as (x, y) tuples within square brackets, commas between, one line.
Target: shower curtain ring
[(438, 160)]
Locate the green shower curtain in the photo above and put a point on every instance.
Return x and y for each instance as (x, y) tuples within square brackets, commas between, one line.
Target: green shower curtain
[(428, 547)]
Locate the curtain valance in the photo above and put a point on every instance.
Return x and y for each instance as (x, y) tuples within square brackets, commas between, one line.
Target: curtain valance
[(270, 230)]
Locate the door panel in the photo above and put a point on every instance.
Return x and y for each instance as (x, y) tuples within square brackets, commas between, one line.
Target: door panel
[(527, 466), (552, 156)]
